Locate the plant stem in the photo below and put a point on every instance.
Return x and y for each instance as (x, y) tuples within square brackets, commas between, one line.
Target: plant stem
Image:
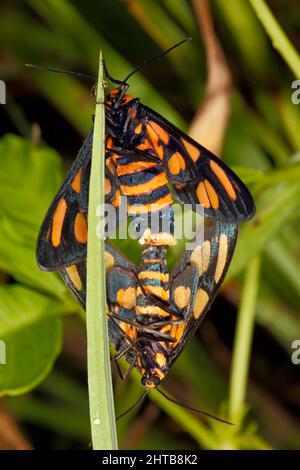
[(102, 414), (243, 340), (190, 422), (279, 39)]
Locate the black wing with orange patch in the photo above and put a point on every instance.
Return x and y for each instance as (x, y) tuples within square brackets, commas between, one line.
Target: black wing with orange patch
[(117, 267), (194, 282), (121, 292), (196, 279), (197, 176), (63, 235)]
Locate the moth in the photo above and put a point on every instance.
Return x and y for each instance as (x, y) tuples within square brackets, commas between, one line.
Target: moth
[(152, 163), (153, 314)]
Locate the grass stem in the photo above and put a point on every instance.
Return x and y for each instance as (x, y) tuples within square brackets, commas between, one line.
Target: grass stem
[(102, 414), (279, 39), (243, 340)]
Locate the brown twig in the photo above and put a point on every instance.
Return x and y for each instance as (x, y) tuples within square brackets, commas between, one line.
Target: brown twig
[(11, 438), (210, 122)]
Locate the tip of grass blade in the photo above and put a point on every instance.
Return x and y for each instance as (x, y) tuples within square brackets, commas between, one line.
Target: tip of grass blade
[(102, 414)]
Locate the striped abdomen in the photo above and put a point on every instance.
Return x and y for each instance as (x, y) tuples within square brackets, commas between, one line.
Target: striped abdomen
[(143, 182), (154, 284)]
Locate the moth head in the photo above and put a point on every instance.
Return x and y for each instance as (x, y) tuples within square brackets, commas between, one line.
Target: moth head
[(117, 97), (154, 371), (150, 380)]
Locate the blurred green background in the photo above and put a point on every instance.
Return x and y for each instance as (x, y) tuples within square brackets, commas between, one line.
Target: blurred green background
[(44, 402)]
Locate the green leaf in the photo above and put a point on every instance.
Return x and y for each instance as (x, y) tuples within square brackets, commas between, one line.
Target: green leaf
[(281, 321), (282, 270), (63, 420), (64, 16), (246, 34), (31, 331), (290, 118), (248, 175), (29, 178), (275, 208)]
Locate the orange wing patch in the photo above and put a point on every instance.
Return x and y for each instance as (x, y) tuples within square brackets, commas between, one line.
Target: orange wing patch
[(76, 181), (153, 138), (73, 274), (200, 257), (202, 195), (182, 296), (222, 257), (193, 151), (80, 228), (109, 143), (223, 178), (201, 301), (212, 195), (128, 330), (156, 135), (116, 201), (127, 297), (176, 333), (58, 220), (160, 132), (145, 145), (138, 129), (176, 163)]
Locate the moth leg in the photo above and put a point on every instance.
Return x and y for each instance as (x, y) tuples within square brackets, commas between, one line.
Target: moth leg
[(120, 372), (158, 324), (134, 107), (160, 336), (122, 375), (122, 352), (130, 368), (114, 318)]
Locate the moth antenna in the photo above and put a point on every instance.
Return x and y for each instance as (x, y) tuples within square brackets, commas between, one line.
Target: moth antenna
[(204, 413), (113, 80), (137, 403), (148, 61), (63, 72)]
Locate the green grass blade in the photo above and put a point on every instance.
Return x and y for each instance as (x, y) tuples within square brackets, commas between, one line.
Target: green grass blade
[(102, 413), (279, 39), (243, 341)]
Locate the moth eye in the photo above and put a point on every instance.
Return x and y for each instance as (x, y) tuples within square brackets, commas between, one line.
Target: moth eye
[(156, 381)]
